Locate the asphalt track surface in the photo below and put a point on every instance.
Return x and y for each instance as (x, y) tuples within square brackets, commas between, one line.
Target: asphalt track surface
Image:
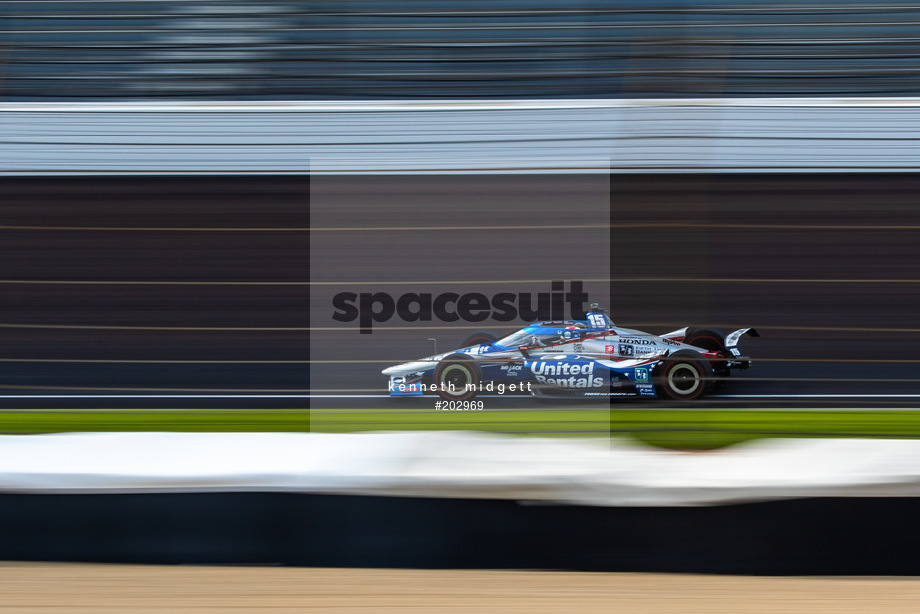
[(168, 293)]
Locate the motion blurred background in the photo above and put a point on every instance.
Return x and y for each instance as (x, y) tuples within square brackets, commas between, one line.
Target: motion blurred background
[(185, 185), (422, 49)]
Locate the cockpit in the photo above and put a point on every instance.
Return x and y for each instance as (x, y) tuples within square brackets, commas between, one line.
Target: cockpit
[(534, 337)]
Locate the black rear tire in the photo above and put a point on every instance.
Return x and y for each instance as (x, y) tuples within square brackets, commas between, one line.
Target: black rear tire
[(711, 339), (684, 376)]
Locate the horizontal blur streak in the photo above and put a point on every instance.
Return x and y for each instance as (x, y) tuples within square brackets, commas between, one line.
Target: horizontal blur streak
[(225, 314), (260, 49), (673, 238), (686, 135)]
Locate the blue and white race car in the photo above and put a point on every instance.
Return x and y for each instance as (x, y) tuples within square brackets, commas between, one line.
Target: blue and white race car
[(578, 358)]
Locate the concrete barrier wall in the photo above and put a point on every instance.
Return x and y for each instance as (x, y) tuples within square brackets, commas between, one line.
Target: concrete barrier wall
[(176, 499), (600, 472)]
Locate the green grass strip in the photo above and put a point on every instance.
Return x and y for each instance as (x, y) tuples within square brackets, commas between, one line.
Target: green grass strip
[(192, 421), (707, 429), (683, 429), (563, 421)]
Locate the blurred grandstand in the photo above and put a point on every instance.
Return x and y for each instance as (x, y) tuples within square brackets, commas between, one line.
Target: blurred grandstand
[(380, 49)]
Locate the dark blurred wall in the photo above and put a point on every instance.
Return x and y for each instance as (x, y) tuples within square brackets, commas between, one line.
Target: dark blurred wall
[(874, 536)]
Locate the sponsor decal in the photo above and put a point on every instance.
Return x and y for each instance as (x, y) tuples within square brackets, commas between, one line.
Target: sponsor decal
[(669, 341), (565, 374), (610, 349), (646, 390), (642, 375), (405, 390), (625, 349), (637, 340)]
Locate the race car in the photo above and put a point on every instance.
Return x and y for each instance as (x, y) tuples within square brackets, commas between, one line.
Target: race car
[(578, 358)]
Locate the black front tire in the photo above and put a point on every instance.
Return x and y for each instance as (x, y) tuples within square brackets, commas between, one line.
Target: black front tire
[(462, 372)]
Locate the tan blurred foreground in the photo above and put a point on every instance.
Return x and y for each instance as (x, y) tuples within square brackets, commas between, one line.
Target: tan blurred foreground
[(37, 588)]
